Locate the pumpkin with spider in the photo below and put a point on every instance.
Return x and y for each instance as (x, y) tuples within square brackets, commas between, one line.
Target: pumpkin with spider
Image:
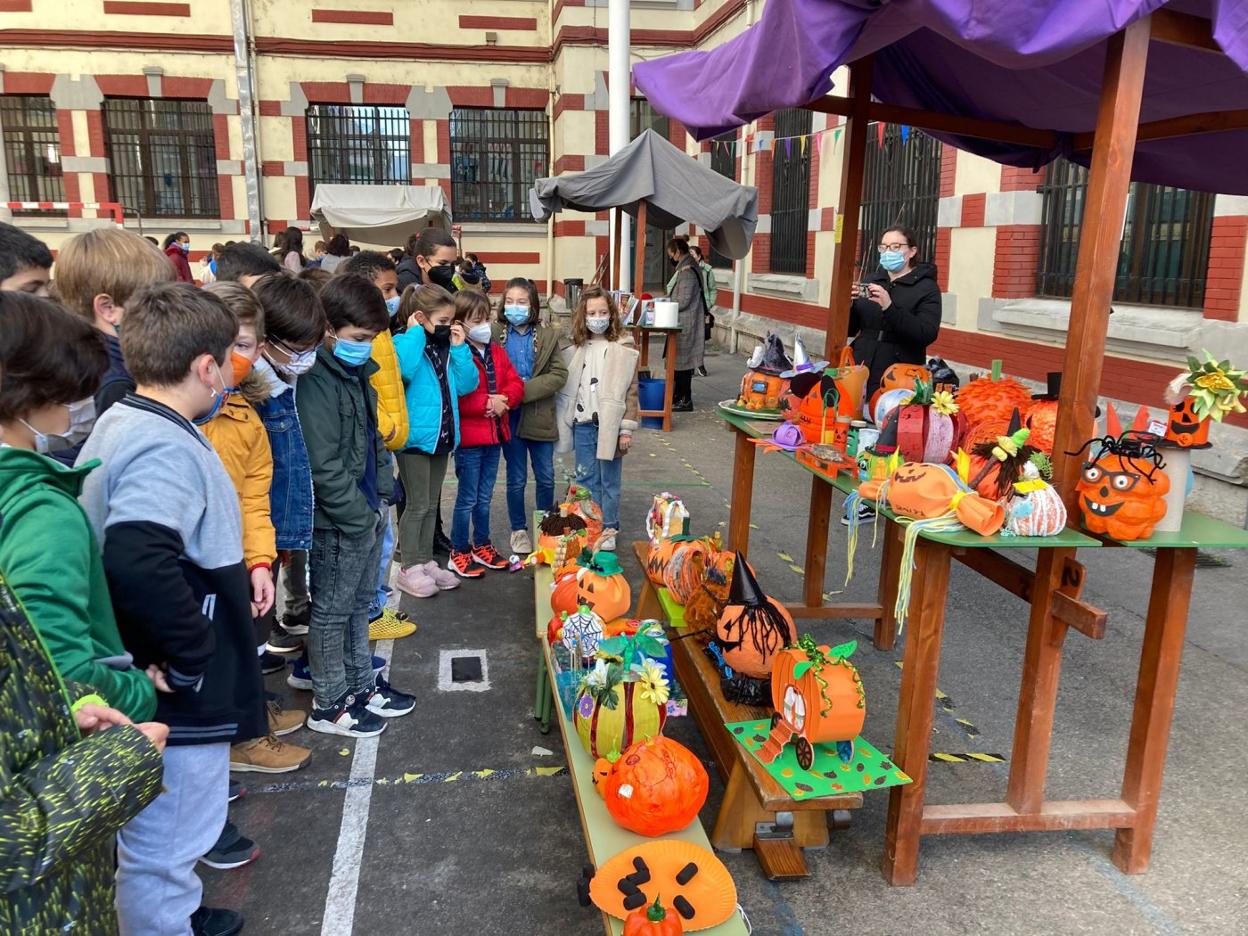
[(1122, 490)]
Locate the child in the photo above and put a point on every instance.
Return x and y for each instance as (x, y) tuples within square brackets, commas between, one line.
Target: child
[(598, 406), (534, 352), (338, 410), (244, 262), (96, 274), (484, 428), (392, 423), (177, 246), (242, 444), (167, 516), (25, 262), (295, 325), (478, 269), (52, 362), (437, 370)]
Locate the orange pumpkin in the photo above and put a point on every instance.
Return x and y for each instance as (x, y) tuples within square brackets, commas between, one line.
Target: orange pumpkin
[(556, 524), (1184, 428), (659, 556), (688, 878), (602, 770), (818, 693), (1042, 421), (582, 505), (899, 377), (922, 491), (686, 569), (656, 787), (1122, 492), (702, 610), (761, 390), (598, 583), (988, 405), (753, 627)]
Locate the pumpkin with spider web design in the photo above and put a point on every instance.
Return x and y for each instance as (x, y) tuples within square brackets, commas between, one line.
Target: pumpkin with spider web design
[(752, 629)]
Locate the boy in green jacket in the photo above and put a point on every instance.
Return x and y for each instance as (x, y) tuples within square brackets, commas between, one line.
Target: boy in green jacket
[(52, 362)]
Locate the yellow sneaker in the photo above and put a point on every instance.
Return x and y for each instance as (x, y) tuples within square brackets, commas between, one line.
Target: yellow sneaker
[(390, 627)]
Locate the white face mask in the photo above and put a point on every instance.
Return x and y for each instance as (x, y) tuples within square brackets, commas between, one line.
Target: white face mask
[(81, 422), (299, 363), (480, 333), (598, 325)]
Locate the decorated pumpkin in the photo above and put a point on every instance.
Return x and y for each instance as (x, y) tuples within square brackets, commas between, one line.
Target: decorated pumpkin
[(833, 402), (686, 569), (582, 505), (654, 920), (1034, 507), (656, 787), (923, 491), (899, 377), (751, 630), (702, 610), (554, 526), (602, 770), (818, 697), (887, 403), (1184, 428), (761, 391), (688, 878), (1122, 490), (581, 631), (928, 426), (613, 711), (1042, 421), (597, 582), (668, 517), (997, 464), (1208, 390), (659, 556), (988, 403)]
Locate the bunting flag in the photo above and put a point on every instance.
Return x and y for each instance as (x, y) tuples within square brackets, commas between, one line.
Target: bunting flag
[(905, 134), (788, 146), (803, 145), (879, 128)]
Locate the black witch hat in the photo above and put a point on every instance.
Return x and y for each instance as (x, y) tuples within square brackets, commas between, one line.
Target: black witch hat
[(775, 359), (745, 589), (886, 444)]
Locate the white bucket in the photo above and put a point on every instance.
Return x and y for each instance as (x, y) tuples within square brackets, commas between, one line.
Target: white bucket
[(1178, 462), (666, 313)]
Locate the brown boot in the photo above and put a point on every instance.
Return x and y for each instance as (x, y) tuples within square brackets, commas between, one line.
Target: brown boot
[(283, 721), (268, 755)]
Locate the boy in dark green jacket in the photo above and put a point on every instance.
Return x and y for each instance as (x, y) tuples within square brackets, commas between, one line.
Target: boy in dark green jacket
[(351, 479), (52, 363)]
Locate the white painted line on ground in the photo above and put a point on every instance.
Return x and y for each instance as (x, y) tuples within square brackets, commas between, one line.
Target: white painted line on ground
[(445, 684), (344, 883)]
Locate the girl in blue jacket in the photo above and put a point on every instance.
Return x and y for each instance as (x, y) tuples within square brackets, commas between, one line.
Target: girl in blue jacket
[(437, 370)]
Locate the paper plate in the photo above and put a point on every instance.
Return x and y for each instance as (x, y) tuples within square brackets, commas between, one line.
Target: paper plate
[(711, 891), (730, 406)]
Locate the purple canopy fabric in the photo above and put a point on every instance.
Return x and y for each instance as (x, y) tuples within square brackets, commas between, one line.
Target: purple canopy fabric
[(1035, 63)]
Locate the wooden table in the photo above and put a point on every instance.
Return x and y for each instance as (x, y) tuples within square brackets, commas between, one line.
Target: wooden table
[(641, 338), (603, 837), (1053, 590), (756, 812)]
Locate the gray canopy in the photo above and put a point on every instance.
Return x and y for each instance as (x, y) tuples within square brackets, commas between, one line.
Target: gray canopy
[(676, 186)]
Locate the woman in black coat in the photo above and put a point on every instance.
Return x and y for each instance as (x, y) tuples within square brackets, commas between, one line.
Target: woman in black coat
[(895, 312)]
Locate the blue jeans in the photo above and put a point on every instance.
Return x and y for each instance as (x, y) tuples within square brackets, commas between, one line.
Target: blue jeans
[(477, 470), (344, 582), (383, 571), (601, 477), (518, 453), (157, 887)]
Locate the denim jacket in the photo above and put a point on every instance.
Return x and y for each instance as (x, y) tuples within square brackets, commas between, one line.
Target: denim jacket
[(291, 493)]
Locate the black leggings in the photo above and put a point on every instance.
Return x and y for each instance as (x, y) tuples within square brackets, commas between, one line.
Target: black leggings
[(682, 390)]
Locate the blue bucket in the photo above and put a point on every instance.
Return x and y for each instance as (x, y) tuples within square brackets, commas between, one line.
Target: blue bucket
[(651, 390)]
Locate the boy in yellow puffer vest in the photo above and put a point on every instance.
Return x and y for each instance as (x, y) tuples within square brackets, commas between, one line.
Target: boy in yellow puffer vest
[(392, 426)]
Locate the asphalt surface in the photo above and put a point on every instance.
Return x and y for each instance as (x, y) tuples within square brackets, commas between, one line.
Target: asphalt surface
[(434, 843)]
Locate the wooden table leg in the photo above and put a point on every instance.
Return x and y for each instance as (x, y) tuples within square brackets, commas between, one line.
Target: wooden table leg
[(669, 385), (1164, 630), (817, 541), (642, 341), (743, 454), (890, 576), (1037, 696), (914, 711)]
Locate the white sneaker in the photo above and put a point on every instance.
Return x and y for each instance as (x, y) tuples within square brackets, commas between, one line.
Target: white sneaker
[(520, 543), (606, 542)]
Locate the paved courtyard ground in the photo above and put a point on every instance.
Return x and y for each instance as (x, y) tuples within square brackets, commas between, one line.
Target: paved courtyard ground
[(451, 823)]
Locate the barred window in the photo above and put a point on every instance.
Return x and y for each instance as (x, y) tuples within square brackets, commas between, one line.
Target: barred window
[(359, 144), (723, 161), (901, 187), (163, 156), (1164, 256), (32, 149), (496, 155), (790, 191), (658, 265)]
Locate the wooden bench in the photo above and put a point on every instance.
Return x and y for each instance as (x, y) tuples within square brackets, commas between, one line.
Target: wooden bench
[(603, 837), (756, 812)]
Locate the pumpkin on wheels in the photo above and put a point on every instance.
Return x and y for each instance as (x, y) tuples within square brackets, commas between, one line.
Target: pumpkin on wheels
[(818, 697)]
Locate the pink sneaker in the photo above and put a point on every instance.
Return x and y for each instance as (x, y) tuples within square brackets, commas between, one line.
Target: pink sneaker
[(443, 578), (415, 581)]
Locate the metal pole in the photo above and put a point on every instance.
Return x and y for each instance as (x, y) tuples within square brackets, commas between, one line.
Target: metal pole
[(618, 83), (244, 76)]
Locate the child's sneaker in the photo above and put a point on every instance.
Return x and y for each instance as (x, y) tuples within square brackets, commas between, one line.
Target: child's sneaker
[(233, 850), (268, 755), (296, 624), (389, 626), (521, 545), (488, 556), (283, 642), (416, 582), (347, 717), (461, 564), (606, 541), (387, 702), (271, 663), (442, 578), (237, 791)]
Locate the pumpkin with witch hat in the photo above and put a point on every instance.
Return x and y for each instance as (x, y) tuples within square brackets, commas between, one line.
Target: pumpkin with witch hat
[(752, 629), (765, 382)]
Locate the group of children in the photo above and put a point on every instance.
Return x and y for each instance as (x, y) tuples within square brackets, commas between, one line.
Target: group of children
[(168, 449)]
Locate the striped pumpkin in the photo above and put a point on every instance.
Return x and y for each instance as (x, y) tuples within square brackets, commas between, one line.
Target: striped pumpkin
[(604, 731), (686, 569), (660, 555), (1037, 513)]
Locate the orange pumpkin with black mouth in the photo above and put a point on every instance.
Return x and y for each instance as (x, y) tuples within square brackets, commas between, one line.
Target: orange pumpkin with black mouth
[(598, 583), (1122, 491), (899, 377), (1184, 428)]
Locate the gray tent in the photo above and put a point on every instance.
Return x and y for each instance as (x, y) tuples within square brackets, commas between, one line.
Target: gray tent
[(670, 187)]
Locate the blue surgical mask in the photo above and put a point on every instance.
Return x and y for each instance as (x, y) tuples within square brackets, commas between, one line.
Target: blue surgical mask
[(218, 400), (392, 305), (516, 314), (352, 353), (892, 260), (184, 246)]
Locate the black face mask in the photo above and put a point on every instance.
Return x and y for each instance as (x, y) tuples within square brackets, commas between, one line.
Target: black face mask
[(441, 334), (443, 275)]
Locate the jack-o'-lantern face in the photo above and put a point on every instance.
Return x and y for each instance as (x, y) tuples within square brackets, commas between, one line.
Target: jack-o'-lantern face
[(1120, 497), (910, 473), (1184, 428)]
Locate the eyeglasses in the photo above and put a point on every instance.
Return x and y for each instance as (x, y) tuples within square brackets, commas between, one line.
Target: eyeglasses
[(883, 247), (287, 349)]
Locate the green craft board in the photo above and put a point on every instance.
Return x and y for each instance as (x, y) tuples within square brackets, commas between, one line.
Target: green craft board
[(1197, 532), (828, 775), (674, 610)]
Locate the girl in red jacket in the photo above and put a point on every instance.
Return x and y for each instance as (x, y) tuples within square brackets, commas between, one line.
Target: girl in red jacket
[(483, 428)]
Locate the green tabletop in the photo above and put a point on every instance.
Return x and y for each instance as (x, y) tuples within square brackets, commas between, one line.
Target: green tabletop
[(602, 835), (1197, 532)]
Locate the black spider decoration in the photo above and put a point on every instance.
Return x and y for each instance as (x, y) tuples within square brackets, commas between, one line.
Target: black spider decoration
[(1133, 447)]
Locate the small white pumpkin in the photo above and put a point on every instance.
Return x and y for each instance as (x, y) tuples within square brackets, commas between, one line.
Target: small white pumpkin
[(1034, 508)]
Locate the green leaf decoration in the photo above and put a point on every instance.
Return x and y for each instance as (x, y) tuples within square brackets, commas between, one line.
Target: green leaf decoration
[(844, 650), (801, 669)]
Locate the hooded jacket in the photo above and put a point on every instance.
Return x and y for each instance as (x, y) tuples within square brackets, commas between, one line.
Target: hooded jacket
[(63, 797), (181, 266), (475, 427), (900, 334), (409, 273), (51, 559), (424, 394), (550, 373), (388, 382)]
